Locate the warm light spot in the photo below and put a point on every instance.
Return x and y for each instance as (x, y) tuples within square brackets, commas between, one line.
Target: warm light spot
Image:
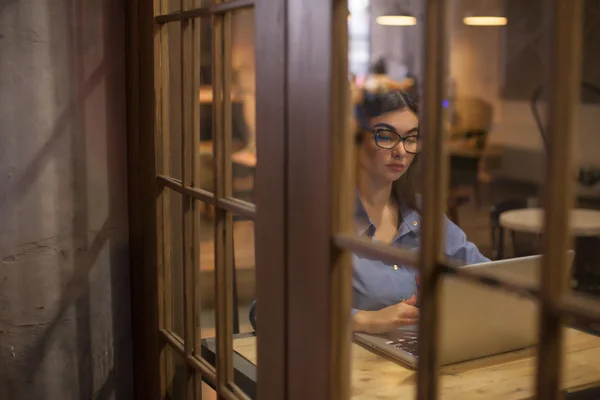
[(485, 21), (396, 20)]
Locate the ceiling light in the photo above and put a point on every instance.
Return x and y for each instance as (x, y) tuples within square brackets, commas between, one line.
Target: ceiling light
[(486, 13), (485, 20), (396, 20)]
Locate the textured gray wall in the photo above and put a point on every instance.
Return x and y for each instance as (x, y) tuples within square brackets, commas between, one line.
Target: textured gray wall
[(64, 273)]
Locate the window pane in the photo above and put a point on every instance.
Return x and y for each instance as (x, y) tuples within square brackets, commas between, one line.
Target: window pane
[(202, 3), (206, 284), (244, 281), (244, 267), (172, 5), (173, 262), (172, 65), (243, 99), (243, 240), (204, 39)]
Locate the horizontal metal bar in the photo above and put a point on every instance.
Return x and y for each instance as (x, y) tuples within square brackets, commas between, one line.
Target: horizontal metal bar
[(237, 206), (183, 15), (379, 251), (232, 5), (581, 306), (199, 194)]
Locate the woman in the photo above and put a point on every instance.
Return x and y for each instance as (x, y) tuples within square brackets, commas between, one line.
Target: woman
[(387, 210)]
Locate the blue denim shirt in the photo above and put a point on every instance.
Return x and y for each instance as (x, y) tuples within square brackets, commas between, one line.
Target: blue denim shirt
[(377, 285)]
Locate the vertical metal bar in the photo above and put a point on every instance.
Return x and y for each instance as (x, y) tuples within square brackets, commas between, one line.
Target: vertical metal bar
[(565, 61), (343, 183), (433, 195)]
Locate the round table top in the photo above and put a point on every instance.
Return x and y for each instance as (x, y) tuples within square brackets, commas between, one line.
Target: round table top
[(584, 222)]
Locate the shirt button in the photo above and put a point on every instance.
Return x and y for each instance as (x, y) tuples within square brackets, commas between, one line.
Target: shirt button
[(415, 223), (395, 267)]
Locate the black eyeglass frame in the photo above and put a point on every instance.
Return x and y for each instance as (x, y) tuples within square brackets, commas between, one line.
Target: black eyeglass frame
[(402, 139)]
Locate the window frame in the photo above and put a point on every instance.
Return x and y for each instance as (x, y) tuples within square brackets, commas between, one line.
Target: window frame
[(306, 80)]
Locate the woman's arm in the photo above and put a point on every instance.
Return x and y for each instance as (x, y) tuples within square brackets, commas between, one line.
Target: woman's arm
[(458, 247), (387, 319), (371, 321)]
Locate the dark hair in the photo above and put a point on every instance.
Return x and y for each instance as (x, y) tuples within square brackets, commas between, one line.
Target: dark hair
[(374, 104), (379, 67)]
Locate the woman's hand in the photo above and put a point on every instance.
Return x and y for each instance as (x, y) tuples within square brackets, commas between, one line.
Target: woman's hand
[(387, 319)]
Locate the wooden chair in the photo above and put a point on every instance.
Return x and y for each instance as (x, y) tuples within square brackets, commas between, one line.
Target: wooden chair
[(470, 124)]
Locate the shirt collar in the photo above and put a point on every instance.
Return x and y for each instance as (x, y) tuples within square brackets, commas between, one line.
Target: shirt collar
[(363, 224)]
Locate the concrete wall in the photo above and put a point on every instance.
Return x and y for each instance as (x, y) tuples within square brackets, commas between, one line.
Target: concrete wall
[(64, 270)]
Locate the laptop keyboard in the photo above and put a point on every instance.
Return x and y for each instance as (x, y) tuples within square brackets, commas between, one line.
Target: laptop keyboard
[(406, 344)]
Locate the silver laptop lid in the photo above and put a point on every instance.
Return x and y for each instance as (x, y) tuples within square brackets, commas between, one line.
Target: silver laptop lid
[(478, 320)]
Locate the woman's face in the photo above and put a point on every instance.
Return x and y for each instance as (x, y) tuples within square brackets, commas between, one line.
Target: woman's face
[(388, 164)]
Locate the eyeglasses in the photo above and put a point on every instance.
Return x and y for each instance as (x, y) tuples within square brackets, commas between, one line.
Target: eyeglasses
[(387, 139)]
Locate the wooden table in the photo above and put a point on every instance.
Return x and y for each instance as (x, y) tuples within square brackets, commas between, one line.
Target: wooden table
[(505, 376), (584, 222)]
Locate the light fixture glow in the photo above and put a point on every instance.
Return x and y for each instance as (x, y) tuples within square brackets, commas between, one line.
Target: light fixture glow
[(485, 21), (396, 20)]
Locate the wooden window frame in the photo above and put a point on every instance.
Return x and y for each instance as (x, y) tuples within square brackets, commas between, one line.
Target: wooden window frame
[(188, 347), (309, 273), (293, 284)]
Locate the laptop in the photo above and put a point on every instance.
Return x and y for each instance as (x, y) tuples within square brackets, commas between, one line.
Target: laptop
[(475, 320)]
